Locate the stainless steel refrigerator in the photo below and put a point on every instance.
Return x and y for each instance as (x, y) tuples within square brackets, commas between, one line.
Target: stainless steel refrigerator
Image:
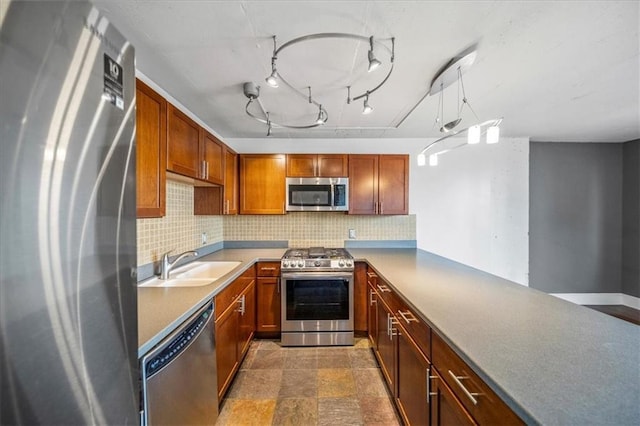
[(68, 305)]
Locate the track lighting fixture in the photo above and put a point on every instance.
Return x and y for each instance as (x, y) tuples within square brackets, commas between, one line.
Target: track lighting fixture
[(275, 79)]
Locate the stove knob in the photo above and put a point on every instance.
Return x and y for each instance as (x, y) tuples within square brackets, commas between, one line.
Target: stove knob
[(349, 263), (301, 263), (317, 263), (285, 264), (341, 263)]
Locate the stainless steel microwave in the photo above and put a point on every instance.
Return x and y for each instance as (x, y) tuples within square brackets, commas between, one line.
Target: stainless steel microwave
[(317, 194)]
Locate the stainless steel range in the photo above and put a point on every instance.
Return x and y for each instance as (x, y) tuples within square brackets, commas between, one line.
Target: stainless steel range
[(317, 297)]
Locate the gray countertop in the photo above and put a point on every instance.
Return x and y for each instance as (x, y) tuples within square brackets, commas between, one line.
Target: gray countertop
[(553, 362), (162, 309)]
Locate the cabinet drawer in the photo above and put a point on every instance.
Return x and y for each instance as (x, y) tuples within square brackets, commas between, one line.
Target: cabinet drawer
[(476, 396), (268, 269), (225, 298)]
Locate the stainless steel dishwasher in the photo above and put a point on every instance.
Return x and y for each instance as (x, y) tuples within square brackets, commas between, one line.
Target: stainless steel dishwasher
[(179, 381)]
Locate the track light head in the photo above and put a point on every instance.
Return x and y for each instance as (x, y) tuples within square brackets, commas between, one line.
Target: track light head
[(367, 108), (373, 62)]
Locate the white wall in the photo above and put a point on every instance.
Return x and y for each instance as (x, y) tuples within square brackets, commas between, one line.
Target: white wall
[(473, 207)]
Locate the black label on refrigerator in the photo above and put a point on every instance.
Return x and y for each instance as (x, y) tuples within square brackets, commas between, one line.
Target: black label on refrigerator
[(113, 82)]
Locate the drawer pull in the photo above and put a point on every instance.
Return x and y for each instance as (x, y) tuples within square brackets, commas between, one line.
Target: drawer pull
[(470, 395), (429, 393), (265, 268), (406, 314), (372, 275), (383, 289), (393, 331), (372, 300)]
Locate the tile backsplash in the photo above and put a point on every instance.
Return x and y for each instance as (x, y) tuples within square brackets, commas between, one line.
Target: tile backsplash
[(306, 229), (180, 230)]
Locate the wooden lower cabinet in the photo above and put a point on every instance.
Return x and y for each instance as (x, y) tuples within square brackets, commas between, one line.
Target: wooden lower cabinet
[(269, 299), (247, 319), (234, 327), (386, 351), (372, 314), (360, 298), (412, 389), (446, 409), (226, 349), (268, 305)]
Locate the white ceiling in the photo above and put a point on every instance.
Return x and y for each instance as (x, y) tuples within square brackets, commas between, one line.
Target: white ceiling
[(556, 71)]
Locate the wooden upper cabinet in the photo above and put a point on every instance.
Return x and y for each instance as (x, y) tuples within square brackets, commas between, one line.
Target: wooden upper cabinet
[(379, 184), (393, 184), (262, 183), (317, 165), (230, 201), (212, 159), (151, 152), (363, 184), (183, 144)]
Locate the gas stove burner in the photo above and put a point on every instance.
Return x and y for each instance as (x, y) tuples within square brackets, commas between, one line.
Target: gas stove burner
[(317, 259)]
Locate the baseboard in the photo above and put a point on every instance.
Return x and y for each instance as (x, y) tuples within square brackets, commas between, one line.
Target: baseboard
[(600, 299)]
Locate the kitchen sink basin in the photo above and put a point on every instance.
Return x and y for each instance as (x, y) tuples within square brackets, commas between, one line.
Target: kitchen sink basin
[(195, 274), (203, 269), (177, 282)]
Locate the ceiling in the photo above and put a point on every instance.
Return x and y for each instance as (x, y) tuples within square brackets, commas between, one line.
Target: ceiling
[(556, 71)]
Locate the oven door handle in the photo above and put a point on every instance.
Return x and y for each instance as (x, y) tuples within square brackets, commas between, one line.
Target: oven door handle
[(317, 275)]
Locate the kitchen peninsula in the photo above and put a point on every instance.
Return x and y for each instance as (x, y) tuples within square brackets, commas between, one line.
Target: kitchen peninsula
[(550, 361)]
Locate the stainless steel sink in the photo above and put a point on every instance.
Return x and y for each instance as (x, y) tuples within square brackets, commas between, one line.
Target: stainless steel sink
[(195, 274)]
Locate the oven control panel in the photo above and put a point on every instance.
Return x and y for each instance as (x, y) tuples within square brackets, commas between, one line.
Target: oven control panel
[(313, 264)]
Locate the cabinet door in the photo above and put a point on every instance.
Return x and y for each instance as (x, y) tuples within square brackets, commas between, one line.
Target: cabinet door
[(226, 349), (393, 184), (332, 165), (213, 158), (301, 165), (372, 306), (183, 144), (413, 373), (372, 318), (247, 318), (445, 407), (268, 305), (360, 305), (230, 202), (262, 184), (363, 184), (387, 349), (151, 152)]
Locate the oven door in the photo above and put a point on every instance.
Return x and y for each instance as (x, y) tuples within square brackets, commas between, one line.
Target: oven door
[(317, 302)]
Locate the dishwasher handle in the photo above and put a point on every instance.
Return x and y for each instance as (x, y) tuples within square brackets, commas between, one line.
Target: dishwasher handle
[(179, 342)]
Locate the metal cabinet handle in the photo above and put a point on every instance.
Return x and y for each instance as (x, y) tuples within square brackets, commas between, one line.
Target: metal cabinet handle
[(406, 314), (226, 202), (242, 305), (267, 268), (371, 299), (383, 288), (381, 212), (393, 331), (429, 393), (389, 325), (470, 395)]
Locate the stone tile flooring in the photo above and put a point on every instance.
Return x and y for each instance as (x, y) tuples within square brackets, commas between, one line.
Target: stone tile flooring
[(308, 386)]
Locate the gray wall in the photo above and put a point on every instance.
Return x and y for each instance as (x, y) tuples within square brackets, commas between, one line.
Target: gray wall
[(631, 219), (575, 230)]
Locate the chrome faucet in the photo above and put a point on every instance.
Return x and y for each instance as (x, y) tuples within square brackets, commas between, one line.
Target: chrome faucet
[(166, 266)]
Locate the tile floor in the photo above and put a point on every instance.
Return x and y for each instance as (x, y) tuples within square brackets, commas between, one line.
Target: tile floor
[(308, 386)]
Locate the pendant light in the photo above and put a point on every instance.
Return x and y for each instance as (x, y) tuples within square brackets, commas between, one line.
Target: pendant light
[(473, 135), (493, 134)]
